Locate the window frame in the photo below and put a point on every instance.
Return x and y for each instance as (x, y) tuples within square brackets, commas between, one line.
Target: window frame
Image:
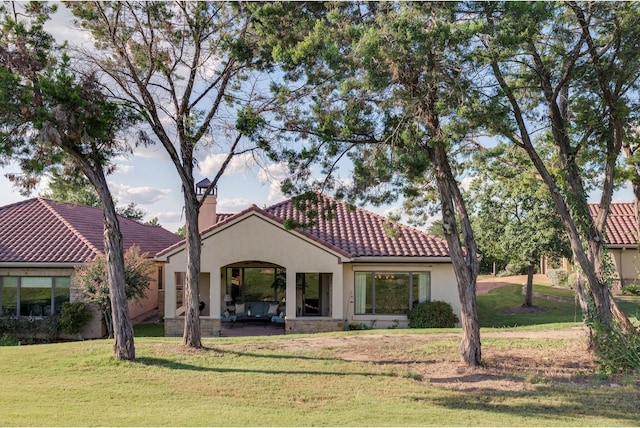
[(53, 279), (372, 286)]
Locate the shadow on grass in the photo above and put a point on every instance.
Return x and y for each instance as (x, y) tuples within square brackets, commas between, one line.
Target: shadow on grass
[(174, 365), (571, 403)]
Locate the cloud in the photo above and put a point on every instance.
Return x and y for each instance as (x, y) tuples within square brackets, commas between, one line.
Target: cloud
[(232, 205), (124, 169), (274, 174), (240, 164), (139, 195)]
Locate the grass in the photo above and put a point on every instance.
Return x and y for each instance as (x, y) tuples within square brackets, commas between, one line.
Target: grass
[(492, 306), (258, 382)]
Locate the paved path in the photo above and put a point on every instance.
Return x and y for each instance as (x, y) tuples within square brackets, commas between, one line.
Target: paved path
[(489, 283)]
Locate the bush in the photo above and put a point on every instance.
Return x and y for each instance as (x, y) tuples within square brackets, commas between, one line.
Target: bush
[(27, 329), (432, 315), (557, 276), (7, 340), (74, 317), (631, 290), (617, 351)]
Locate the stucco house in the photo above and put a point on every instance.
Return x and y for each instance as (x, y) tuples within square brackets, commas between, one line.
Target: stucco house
[(622, 241), (351, 266), (41, 242)]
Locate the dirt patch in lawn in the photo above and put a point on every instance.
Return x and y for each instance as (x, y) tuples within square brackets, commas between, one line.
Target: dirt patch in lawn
[(517, 310), (514, 360)]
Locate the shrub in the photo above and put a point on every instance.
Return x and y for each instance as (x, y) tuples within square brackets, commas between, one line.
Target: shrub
[(27, 329), (557, 276), (631, 290), (7, 340), (432, 315), (74, 317), (617, 351)]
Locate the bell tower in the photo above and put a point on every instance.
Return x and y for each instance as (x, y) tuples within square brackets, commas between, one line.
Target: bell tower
[(207, 216)]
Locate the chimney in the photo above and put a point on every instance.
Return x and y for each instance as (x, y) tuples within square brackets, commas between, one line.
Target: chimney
[(207, 216)]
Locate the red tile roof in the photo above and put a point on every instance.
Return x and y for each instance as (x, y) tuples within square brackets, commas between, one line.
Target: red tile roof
[(351, 231), (621, 224), (43, 231)]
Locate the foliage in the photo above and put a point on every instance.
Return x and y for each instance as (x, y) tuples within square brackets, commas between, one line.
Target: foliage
[(617, 351), (74, 317), (631, 290), (27, 329), (557, 277), (434, 314), (55, 118), (377, 92), (6, 340), (91, 278)]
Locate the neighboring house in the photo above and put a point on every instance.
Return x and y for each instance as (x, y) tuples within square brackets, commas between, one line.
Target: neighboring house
[(355, 266), (41, 241), (622, 241), (621, 234)]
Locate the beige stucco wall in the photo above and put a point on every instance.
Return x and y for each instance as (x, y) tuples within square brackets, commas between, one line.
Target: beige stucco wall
[(443, 287), (255, 238), (627, 264)]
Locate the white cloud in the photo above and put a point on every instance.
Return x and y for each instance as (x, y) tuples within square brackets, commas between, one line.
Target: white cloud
[(232, 205), (239, 164), (274, 174), (139, 195), (124, 169)]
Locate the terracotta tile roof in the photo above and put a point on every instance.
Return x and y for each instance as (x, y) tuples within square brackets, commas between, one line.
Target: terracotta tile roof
[(351, 231), (621, 224), (43, 231)]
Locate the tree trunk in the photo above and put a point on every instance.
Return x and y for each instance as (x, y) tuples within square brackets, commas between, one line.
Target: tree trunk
[(124, 346), (464, 259), (192, 334), (528, 297)]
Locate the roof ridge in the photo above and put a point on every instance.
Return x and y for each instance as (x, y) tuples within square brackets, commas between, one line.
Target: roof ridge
[(46, 203)]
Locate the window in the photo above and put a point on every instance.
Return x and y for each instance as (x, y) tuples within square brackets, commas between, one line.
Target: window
[(390, 292), (33, 295), (256, 283)]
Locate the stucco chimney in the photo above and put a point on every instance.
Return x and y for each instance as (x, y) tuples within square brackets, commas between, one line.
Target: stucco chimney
[(207, 216)]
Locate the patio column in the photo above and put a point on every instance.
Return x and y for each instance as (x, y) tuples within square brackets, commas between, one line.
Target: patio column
[(291, 292), (170, 294), (214, 295)]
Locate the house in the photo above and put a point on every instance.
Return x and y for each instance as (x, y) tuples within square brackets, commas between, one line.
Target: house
[(622, 241), (352, 266), (41, 241)]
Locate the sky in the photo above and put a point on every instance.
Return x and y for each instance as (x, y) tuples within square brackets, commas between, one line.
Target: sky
[(149, 179)]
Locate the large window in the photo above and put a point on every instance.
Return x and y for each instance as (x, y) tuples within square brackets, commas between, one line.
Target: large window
[(35, 296), (390, 292)]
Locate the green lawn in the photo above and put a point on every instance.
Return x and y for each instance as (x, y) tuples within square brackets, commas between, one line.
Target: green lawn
[(263, 382), (492, 307)]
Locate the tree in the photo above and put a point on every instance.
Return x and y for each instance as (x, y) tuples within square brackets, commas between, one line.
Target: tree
[(514, 214), (185, 67), (566, 74), (48, 117), (380, 87), (92, 279)]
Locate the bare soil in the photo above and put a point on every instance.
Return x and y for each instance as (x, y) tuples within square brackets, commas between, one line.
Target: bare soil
[(515, 361)]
